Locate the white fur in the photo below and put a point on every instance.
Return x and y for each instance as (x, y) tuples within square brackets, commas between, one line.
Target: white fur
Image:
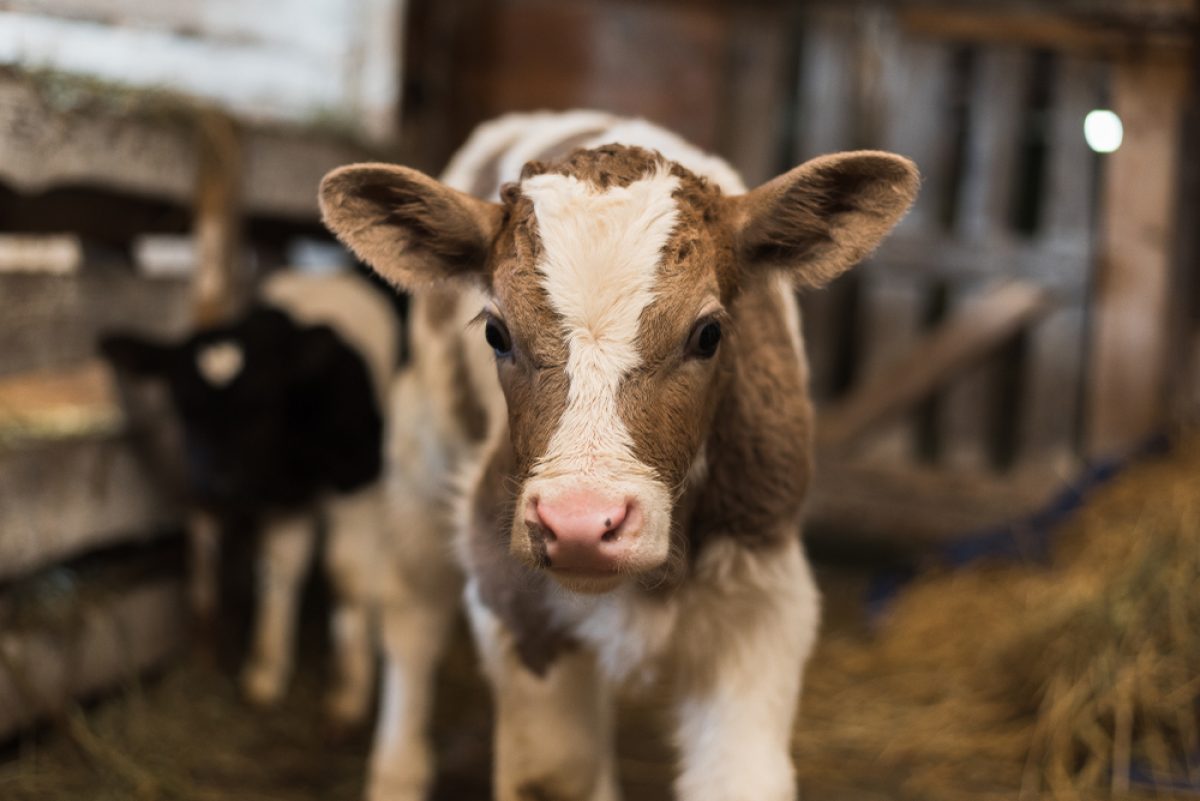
[(220, 362), (734, 731), (356, 535), (485, 143), (553, 731), (546, 131), (285, 554), (733, 639), (513, 139), (601, 254), (204, 554)]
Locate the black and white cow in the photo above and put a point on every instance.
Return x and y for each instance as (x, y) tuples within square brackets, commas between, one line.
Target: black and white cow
[(283, 414)]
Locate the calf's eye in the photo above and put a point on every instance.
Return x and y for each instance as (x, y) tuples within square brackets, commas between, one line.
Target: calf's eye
[(705, 338), (497, 337)]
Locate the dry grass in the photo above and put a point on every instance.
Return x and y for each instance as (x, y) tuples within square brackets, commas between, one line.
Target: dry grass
[(1035, 681), (997, 681)]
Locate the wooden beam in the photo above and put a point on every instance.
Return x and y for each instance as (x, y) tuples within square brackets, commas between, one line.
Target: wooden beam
[(50, 404), (1130, 310), (1083, 35), (110, 638), (975, 329), (1060, 266), (146, 152), (916, 508), (216, 225)]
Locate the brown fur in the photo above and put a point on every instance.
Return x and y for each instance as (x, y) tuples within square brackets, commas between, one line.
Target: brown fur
[(406, 225), (825, 216), (438, 306), (468, 411), (747, 406), (513, 592)]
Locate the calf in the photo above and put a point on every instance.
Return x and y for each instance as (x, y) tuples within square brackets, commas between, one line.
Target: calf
[(634, 515), (282, 413)]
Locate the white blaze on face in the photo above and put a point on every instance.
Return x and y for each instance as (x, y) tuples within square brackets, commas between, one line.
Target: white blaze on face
[(601, 251), (601, 254), (220, 362)]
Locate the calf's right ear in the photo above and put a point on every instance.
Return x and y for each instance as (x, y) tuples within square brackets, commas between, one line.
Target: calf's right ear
[(411, 229)]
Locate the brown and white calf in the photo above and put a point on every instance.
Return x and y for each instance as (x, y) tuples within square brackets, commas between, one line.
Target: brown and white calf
[(634, 518)]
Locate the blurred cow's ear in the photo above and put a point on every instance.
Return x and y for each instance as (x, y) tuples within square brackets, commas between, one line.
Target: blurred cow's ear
[(137, 356), (410, 228), (821, 218)]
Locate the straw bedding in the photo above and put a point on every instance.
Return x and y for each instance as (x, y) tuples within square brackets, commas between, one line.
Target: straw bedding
[(1075, 679), (1069, 680)]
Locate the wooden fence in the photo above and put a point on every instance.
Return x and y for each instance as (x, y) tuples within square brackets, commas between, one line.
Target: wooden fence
[(1016, 324)]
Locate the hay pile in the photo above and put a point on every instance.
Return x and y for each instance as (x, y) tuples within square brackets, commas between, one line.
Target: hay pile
[(1072, 680)]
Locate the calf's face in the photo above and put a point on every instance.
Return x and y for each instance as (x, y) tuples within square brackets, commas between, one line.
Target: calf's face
[(610, 276)]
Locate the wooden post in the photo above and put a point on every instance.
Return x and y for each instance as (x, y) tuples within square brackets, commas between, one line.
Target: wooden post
[(216, 222), (1130, 328)]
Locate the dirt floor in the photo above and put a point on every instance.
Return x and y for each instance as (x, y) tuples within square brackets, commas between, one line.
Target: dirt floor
[(185, 734), (942, 697)]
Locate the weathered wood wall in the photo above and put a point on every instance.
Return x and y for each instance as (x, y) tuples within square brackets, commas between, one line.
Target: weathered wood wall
[(295, 61)]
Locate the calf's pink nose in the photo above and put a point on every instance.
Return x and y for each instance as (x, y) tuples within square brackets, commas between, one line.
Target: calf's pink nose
[(581, 530)]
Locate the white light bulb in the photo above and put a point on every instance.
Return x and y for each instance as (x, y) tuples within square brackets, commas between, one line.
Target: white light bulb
[(1103, 130)]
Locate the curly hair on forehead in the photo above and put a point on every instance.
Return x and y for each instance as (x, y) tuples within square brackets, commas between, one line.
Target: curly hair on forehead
[(620, 165)]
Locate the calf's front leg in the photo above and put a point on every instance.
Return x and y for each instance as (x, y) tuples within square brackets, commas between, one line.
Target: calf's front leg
[(415, 630), (355, 557), (285, 553), (734, 726), (553, 735)]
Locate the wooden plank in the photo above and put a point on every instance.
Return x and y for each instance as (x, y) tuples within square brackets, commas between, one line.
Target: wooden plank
[(1127, 363), (1068, 214), (54, 254), (112, 636), (1032, 28), (891, 323), (333, 60), (51, 321), (995, 120), (217, 282), (968, 400), (142, 148), (1050, 404), (58, 403), (972, 331), (995, 116), (756, 87), (65, 497), (915, 79), (827, 84), (916, 508), (1061, 267), (825, 121), (821, 320)]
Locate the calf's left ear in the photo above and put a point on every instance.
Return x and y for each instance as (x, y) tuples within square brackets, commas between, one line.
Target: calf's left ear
[(823, 217)]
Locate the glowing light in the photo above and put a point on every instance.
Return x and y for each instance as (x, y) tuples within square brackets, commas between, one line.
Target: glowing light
[(1103, 130)]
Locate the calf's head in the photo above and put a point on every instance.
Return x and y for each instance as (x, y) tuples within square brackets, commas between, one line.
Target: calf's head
[(610, 276), (240, 395)]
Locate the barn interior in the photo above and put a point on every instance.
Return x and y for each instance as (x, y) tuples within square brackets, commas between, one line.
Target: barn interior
[(1003, 520)]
